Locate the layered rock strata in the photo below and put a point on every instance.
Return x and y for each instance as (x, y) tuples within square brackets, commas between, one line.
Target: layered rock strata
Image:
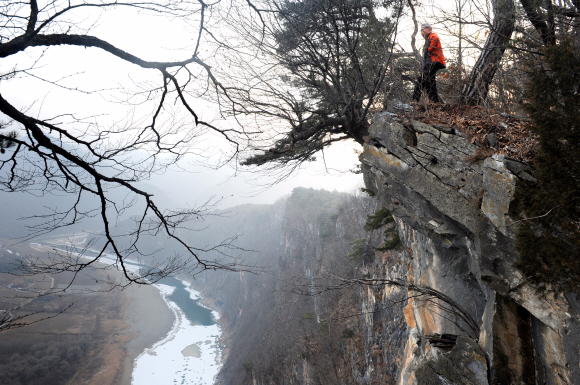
[(453, 213)]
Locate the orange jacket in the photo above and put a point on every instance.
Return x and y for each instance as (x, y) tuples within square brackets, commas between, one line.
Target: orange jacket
[(433, 49)]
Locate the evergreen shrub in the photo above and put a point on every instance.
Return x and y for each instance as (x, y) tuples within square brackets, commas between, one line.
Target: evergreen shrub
[(548, 237)]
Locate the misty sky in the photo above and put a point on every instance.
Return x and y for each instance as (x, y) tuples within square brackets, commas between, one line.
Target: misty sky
[(198, 184), (80, 70)]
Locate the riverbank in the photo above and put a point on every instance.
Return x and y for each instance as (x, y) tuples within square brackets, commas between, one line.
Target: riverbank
[(88, 343), (168, 337), (143, 312), (150, 321), (225, 338)]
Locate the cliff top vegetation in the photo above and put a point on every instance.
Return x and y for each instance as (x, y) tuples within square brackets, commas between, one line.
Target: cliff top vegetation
[(513, 135)]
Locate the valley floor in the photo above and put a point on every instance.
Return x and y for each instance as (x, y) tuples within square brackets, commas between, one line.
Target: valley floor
[(103, 332)]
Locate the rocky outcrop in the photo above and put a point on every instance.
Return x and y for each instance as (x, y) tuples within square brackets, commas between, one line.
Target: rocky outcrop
[(454, 210), (464, 364)]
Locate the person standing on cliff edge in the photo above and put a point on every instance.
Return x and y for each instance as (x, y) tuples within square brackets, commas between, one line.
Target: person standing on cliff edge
[(433, 61)]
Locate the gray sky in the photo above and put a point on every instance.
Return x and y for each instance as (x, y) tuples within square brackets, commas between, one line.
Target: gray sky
[(162, 39), (198, 184)]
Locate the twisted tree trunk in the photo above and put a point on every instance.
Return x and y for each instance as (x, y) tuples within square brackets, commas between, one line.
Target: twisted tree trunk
[(476, 89), (539, 22)]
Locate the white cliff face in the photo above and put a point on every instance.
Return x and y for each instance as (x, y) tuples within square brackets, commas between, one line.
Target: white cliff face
[(454, 220)]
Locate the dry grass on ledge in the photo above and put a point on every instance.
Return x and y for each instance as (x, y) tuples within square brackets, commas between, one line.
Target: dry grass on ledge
[(515, 139)]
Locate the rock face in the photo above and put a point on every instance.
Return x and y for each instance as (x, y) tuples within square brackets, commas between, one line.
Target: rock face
[(452, 209), (469, 316), (353, 336), (464, 364)]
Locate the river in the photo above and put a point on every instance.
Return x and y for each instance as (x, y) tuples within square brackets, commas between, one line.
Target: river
[(190, 352)]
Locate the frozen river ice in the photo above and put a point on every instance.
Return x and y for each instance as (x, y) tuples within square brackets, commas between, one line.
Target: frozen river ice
[(175, 359)]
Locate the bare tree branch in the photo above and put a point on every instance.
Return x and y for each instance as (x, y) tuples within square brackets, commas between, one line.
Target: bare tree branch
[(431, 297), (88, 159)]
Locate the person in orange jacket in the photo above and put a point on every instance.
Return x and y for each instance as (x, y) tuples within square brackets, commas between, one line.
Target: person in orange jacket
[(433, 61)]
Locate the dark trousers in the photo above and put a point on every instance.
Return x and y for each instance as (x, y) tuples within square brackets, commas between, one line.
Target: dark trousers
[(428, 82)]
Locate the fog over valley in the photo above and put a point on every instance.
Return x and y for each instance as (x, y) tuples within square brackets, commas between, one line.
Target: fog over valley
[(289, 192)]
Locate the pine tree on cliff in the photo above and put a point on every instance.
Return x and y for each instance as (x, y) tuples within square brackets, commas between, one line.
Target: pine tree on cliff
[(335, 53), (549, 238)]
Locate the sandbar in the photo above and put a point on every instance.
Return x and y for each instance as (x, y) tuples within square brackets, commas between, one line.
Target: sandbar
[(191, 351)]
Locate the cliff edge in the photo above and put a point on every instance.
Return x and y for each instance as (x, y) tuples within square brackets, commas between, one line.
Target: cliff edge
[(453, 213)]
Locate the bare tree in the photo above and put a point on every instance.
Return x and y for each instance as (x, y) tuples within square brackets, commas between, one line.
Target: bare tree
[(8, 320), (549, 19), (439, 302), (477, 87), (91, 157)]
